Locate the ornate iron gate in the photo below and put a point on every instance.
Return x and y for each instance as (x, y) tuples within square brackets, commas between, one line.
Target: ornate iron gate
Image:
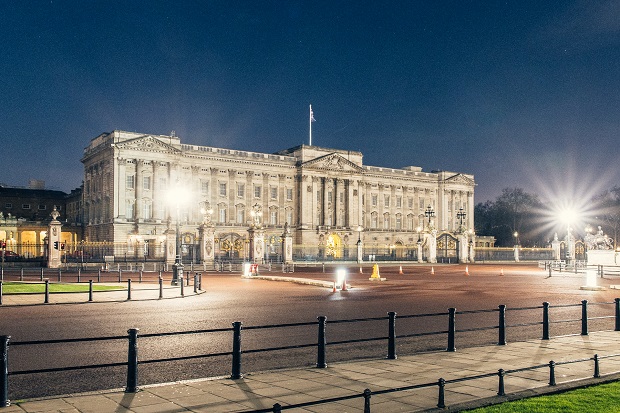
[(447, 248)]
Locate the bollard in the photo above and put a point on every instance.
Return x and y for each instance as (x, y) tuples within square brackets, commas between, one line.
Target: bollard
[(236, 355), (451, 329), (500, 391), (161, 288), (120, 272), (4, 371), (502, 325), (90, 290), (617, 305), (0, 292), (367, 395), (140, 279), (21, 274), (187, 279), (322, 343), (545, 321), (79, 274), (181, 283), (59, 275), (160, 274), (391, 336), (47, 291), (99, 275), (41, 273), (323, 267), (277, 408), (2, 273), (597, 373), (552, 373), (129, 289), (200, 281), (584, 317), (132, 361), (195, 284), (441, 401)]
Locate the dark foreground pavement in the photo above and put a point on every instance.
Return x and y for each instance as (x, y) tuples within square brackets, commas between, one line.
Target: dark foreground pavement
[(262, 390)]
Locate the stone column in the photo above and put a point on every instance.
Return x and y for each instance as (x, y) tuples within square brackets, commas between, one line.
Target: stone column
[(431, 241), (555, 245), (171, 245), (207, 241), (463, 248), (54, 239), (257, 245), (420, 258), (287, 245)]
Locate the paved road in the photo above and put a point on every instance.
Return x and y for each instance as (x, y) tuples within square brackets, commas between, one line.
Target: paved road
[(230, 298)]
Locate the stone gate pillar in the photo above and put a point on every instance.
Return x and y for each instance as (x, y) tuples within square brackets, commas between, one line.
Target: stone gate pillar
[(207, 242), (463, 248), (257, 245), (287, 245), (53, 241), (555, 245), (431, 242)]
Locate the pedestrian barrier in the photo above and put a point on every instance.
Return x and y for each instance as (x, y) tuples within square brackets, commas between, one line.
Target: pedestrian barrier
[(321, 344)]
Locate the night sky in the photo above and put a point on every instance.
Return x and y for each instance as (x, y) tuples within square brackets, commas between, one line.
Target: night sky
[(519, 93)]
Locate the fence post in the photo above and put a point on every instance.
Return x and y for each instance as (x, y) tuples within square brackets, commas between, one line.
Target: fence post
[(161, 287), (391, 335), (322, 343), (500, 391), (441, 400), (140, 280), (98, 275), (545, 321), (195, 284), (41, 273), (451, 329), (367, 395), (597, 372), (21, 274), (181, 283), (236, 353), (200, 281), (120, 272), (4, 371), (59, 274), (617, 305), (584, 317), (47, 292), (90, 290), (552, 373), (129, 289), (79, 275), (132, 361), (502, 325)]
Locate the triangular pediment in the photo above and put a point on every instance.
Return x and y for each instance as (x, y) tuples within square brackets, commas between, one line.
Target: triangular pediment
[(147, 143), (332, 162), (460, 179)]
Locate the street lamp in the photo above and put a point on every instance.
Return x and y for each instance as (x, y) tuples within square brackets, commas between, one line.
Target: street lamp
[(460, 216), (429, 213), (177, 195), (516, 235)]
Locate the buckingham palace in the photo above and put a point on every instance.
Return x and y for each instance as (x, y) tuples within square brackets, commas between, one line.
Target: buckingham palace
[(148, 193)]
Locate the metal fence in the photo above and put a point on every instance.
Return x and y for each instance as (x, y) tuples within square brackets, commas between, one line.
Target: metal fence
[(320, 345)]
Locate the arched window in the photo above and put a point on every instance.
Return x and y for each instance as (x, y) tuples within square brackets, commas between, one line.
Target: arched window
[(386, 221), (373, 220)]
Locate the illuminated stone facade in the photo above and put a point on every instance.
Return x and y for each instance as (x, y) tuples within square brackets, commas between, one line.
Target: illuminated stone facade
[(325, 195)]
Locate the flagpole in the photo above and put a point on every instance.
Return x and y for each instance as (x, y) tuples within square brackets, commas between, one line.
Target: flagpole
[(310, 122)]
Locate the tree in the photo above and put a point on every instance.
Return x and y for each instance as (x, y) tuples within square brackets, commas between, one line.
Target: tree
[(514, 211), (607, 209)]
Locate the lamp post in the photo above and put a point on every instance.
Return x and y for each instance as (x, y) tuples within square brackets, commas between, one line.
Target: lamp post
[(360, 255), (429, 214), (460, 216), (516, 235), (177, 267)]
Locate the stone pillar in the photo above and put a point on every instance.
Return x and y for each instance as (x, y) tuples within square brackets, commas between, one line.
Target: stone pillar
[(257, 245), (171, 246), (287, 245), (207, 241), (420, 258), (360, 251), (555, 245), (516, 253), (463, 248), (472, 251), (53, 238), (431, 241)]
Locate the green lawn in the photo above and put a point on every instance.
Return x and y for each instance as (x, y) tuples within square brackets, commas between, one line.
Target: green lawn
[(20, 288), (604, 398)]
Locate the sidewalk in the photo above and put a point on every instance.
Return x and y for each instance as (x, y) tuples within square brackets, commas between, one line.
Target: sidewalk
[(262, 390)]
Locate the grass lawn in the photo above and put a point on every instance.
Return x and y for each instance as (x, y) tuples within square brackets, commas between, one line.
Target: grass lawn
[(20, 288), (594, 399)]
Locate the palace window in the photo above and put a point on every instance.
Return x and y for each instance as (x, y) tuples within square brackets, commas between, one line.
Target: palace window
[(163, 183), (289, 216), (386, 201), (274, 192), (374, 201), (373, 220), (257, 191), (399, 201), (273, 217), (240, 190), (204, 186), (386, 221), (222, 214), (146, 182), (289, 194), (410, 202), (222, 188), (240, 214), (129, 181), (129, 209), (42, 207), (399, 221), (147, 209)]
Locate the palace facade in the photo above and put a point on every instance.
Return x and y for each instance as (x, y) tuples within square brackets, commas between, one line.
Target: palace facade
[(137, 187)]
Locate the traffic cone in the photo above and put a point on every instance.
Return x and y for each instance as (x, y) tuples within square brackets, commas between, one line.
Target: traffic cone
[(501, 272), (335, 289), (466, 270), (400, 271), (432, 270), (361, 272), (344, 285)]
